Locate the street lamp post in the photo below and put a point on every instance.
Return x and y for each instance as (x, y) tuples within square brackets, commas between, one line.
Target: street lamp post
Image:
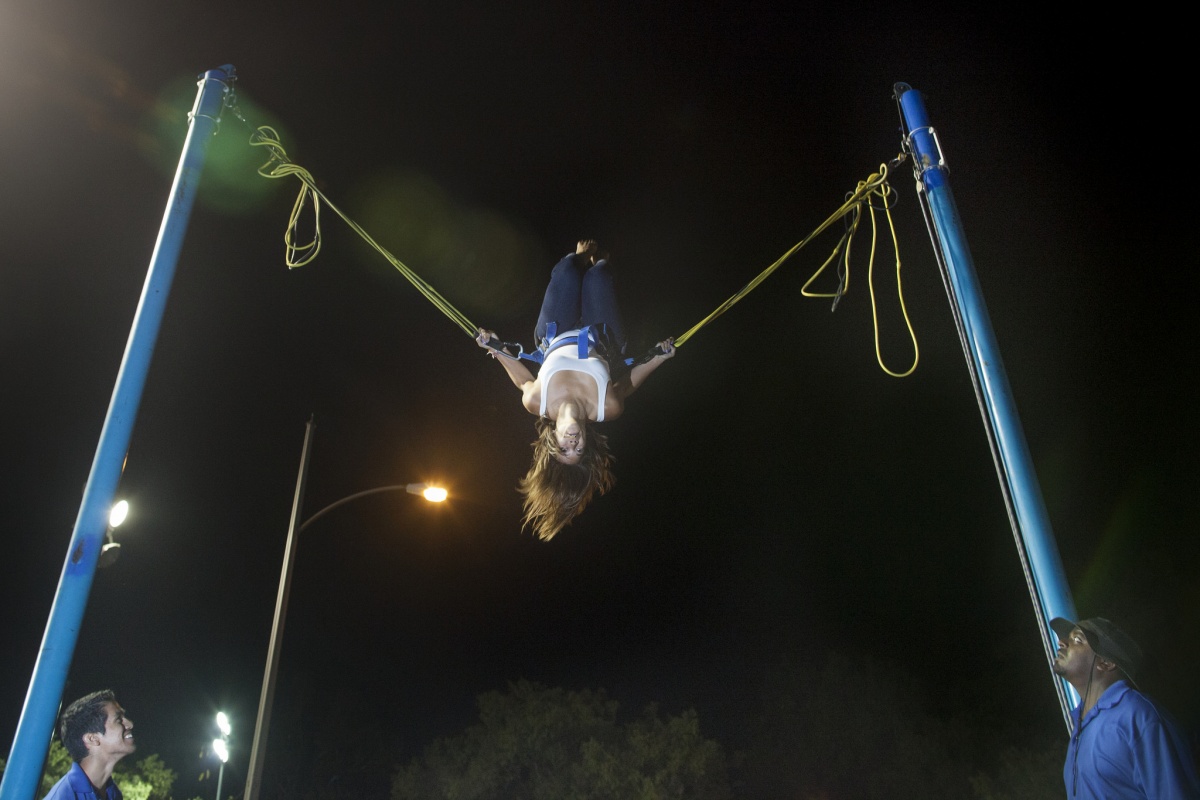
[(267, 696), (221, 747)]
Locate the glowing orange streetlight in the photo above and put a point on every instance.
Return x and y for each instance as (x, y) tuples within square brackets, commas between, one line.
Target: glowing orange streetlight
[(433, 494)]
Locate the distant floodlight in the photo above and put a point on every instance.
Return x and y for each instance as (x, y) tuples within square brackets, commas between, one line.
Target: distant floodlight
[(434, 494), (118, 514), (221, 747)]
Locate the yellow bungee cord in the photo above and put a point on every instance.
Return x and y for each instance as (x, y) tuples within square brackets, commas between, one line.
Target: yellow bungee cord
[(875, 185), (279, 166)]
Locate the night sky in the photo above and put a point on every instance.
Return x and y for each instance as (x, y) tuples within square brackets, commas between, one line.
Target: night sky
[(779, 496)]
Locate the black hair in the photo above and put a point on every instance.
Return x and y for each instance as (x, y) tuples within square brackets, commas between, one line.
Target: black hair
[(86, 715)]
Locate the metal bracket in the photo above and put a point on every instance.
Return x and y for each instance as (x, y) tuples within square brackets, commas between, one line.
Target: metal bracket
[(919, 163)]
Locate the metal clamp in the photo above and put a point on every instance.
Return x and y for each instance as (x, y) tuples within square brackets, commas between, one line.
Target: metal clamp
[(920, 164)]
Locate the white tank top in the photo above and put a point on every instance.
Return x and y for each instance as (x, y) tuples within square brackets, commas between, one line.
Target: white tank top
[(566, 357)]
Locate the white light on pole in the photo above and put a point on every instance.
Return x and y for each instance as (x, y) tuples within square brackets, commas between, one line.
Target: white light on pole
[(118, 514), (111, 550), (220, 747)]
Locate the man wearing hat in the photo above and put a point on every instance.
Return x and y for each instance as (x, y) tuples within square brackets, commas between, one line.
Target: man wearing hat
[(1123, 745)]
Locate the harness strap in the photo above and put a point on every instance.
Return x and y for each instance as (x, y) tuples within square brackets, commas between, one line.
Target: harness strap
[(593, 334)]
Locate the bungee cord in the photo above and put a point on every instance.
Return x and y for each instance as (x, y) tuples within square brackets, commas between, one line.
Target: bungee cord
[(299, 253), (874, 186), (279, 166)]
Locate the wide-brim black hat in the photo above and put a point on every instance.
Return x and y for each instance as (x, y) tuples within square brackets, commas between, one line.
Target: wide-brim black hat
[(1106, 640)]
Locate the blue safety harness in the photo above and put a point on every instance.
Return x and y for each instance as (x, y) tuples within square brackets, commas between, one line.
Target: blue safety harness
[(593, 335), (585, 339)]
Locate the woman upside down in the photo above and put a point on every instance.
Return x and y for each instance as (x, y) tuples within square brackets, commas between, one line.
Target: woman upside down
[(579, 329)]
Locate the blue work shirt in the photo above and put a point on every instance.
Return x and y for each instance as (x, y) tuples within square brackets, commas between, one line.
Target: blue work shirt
[(76, 786), (1126, 748)]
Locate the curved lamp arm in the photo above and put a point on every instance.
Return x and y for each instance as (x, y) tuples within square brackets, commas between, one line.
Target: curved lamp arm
[(431, 493)]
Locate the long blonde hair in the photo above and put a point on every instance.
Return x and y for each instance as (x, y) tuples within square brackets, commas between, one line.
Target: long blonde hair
[(555, 493)]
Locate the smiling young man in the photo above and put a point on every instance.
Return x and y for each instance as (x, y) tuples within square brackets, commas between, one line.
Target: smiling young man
[(1122, 746), (97, 735)]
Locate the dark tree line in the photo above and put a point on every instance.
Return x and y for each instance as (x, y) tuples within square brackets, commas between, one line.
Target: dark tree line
[(842, 729)]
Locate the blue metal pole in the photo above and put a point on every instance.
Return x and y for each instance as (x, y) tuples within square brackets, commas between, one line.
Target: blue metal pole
[(23, 772), (1031, 521)]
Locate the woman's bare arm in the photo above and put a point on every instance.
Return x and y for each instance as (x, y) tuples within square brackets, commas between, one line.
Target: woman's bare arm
[(638, 375), (518, 373)]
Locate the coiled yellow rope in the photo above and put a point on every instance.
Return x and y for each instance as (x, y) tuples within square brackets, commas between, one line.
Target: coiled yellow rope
[(279, 166), (875, 185)]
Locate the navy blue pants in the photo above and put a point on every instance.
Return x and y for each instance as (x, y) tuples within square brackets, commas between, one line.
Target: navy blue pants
[(580, 295)]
